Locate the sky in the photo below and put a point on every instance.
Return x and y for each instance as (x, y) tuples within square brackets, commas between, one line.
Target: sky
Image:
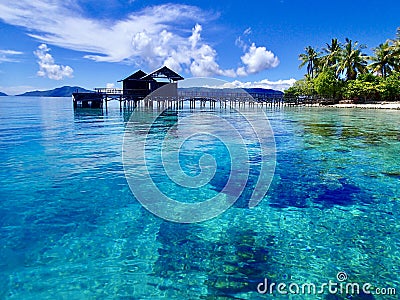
[(46, 44)]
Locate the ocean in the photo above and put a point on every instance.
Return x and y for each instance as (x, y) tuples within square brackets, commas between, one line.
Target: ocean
[(71, 228)]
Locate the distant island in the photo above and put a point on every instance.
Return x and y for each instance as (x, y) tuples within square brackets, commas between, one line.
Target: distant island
[(263, 91), (235, 90), (3, 94), (65, 91)]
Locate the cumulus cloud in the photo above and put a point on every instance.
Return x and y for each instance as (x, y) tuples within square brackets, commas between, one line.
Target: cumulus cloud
[(257, 59), (152, 36), (9, 55), (279, 85), (202, 57), (47, 66)]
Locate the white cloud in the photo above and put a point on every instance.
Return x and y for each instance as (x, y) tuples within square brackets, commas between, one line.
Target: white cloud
[(153, 36), (257, 59), (47, 66), (240, 40), (148, 35), (204, 57), (9, 55), (241, 71), (279, 85), (241, 44), (247, 31)]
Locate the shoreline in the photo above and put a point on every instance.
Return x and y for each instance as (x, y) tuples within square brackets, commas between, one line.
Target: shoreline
[(382, 105)]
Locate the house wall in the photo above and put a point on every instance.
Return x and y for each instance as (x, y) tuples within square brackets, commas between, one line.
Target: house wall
[(168, 90), (135, 87), (141, 89)]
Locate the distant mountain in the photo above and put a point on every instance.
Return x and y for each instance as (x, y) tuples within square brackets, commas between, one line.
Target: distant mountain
[(3, 94), (263, 91), (65, 91)]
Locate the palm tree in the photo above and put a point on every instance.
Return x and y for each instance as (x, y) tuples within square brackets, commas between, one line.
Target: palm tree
[(309, 58), (396, 50), (332, 56), (384, 60), (352, 60)]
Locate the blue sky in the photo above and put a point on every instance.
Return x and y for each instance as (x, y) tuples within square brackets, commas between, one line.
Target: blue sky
[(94, 43)]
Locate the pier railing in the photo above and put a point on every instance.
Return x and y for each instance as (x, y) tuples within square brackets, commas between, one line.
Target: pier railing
[(110, 91), (115, 91)]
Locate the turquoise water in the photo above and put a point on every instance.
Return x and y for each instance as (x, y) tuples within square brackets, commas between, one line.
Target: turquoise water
[(71, 228)]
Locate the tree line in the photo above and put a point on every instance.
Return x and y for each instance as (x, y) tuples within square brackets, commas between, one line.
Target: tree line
[(344, 71)]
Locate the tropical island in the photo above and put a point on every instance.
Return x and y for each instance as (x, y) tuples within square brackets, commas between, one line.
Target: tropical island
[(65, 91), (342, 72)]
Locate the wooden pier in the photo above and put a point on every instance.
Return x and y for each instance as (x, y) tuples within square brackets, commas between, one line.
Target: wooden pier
[(138, 89), (102, 96)]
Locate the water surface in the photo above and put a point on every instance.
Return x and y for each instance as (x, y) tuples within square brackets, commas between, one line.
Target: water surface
[(71, 228)]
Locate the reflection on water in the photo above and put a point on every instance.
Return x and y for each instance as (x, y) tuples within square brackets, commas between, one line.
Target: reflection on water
[(70, 227), (82, 113)]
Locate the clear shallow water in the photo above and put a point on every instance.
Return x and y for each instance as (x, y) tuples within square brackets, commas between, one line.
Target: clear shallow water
[(71, 229)]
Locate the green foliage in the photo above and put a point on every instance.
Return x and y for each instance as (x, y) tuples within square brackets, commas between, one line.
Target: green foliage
[(327, 85), (303, 87), (352, 61), (332, 54), (309, 58), (389, 88), (343, 72), (368, 77), (385, 59), (361, 90)]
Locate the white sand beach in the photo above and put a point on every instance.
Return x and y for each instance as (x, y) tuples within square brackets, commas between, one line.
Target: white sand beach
[(382, 105)]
